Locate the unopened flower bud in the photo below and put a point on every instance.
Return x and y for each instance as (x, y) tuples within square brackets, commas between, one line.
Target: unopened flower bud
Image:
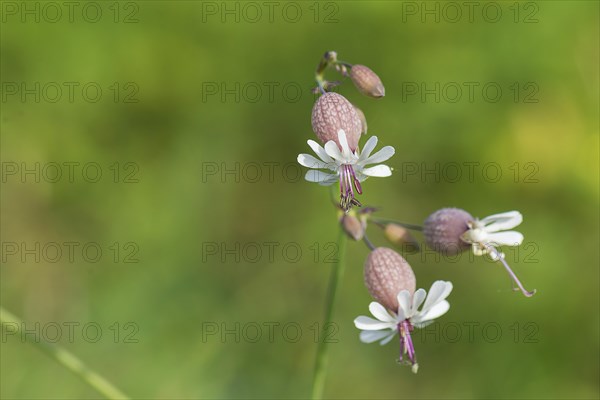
[(354, 227), (386, 274), (331, 113), (401, 237), (367, 81), (363, 120), (443, 230)]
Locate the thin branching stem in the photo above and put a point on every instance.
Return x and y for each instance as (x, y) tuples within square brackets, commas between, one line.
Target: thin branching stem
[(368, 242), (381, 221)]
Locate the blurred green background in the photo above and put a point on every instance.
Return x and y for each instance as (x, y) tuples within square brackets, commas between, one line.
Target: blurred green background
[(169, 57)]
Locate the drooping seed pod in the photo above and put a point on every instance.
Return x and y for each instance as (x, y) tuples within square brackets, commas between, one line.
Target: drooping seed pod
[(401, 237), (443, 230), (386, 274), (333, 112), (354, 227), (367, 81)]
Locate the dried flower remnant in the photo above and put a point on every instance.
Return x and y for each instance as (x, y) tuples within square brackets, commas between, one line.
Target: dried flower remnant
[(353, 226), (401, 237)]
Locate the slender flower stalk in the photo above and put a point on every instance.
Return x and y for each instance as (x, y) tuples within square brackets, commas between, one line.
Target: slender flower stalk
[(66, 359), (384, 221), (498, 256), (323, 350)]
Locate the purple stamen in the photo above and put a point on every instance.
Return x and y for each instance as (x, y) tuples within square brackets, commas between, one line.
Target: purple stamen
[(349, 191), (493, 250), (356, 181), (347, 179), (406, 343)]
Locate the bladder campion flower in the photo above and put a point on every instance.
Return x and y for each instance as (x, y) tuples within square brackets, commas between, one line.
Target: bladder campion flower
[(346, 166), (452, 230), (407, 317)]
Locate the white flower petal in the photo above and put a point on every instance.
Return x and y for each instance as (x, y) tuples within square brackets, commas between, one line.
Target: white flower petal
[(503, 221), (391, 335), (370, 324), (373, 336), (366, 151), (330, 181), (380, 312), (378, 171), (306, 160), (313, 175), (382, 155), (319, 151), (418, 299), (360, 176), (404, 303), (434, 312), (344, 143), (438, 292), (423, 324), (332, 150), (509, 238)]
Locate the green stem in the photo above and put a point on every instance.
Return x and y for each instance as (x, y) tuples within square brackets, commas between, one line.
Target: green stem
[(322, 352), (65, 358), (320, 83)]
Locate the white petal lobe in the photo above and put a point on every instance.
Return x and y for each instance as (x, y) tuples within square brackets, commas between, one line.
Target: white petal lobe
[(313, 175), (306, 160), (370, 324), (344, 143), (382, 155), (509, 238), (319, 151), (503, 221), (378, 171), (372, 336), (435, 312), (332, 150), (438, 292), (380, 312), (368, 148)]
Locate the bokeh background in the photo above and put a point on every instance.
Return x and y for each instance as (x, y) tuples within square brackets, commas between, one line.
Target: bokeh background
[(167, 210)]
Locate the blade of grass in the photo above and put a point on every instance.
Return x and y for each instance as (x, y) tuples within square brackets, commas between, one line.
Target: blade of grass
[(65, 358)]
